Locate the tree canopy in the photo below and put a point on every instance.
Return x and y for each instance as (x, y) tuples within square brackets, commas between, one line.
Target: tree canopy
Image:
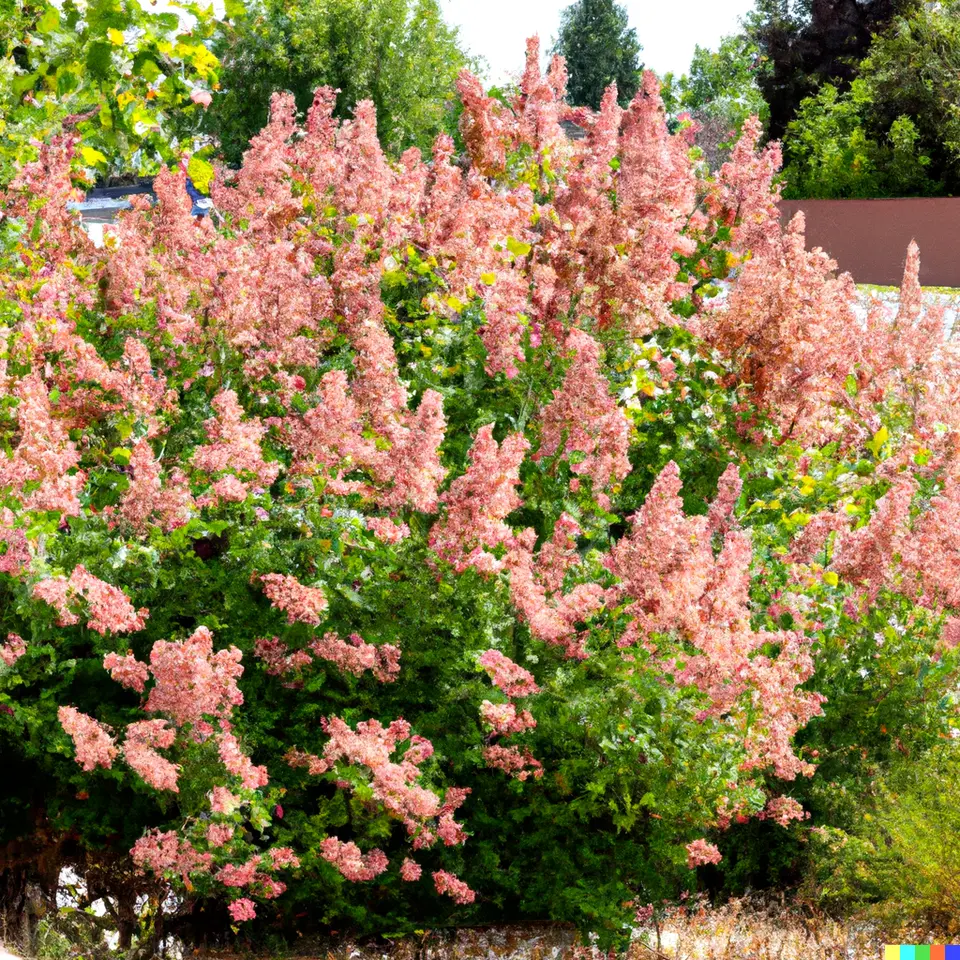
[(398, 53), (600, 48)]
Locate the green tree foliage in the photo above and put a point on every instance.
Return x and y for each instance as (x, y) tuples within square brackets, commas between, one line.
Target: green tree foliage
[(809, 42), (898, 858), (720, 92), (832, 151), (114, 70), (913, 70), (896, 130), (398, 53), (600, 48)]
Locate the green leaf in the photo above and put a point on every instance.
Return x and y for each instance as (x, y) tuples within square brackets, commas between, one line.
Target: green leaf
[(517, 248), (92, 157), (49, 20), (879, 439)]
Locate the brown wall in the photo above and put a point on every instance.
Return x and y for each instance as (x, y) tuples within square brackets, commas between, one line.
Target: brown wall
[(869, 238)]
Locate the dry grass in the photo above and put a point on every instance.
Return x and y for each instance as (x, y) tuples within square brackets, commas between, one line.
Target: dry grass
[(761, 931), (739, 930)]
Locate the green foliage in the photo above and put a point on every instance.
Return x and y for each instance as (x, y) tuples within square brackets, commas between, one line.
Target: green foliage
[(891, 700), (831, 153), (913, 70), (115, 70), (805, 44), (600, 48), (398, 53), (722, 84), (898, 860)]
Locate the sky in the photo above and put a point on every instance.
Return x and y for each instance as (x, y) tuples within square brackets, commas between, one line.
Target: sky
[(668, 29)]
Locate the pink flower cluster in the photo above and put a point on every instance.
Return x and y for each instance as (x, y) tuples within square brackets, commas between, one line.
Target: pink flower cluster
[(700, 852), (353, 864), (504, 719), (166, 852), (13, 649), (453, 887), (108, 609), (783, 809), (426, 818), (584, 417), (191, 681), (351, 656), (478, 502), (516, 762), (93, 744), (140, 746), (301, 604), (511, 678)]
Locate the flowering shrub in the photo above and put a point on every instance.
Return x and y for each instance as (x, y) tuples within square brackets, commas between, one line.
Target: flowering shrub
[(587, 528)]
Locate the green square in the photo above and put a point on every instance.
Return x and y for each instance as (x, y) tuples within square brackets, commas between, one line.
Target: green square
[(922, 952)]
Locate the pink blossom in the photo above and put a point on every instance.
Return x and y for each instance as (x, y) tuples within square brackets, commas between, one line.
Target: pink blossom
[(478, 502), (127, 670), (784, 809), (301, 604), (516, 762), (13, 649), (700, 852), (242, 875), (511, 678), (93, 744), (585, 418), (504, 718), (204, 98), (108, 609), (191, 681), (410, 870), (143, 738), (387, 530), (166, 853), (242, 909), (453, 887), (223, 801), (353, 864), (219, 834), (239, 764), (282, 857)]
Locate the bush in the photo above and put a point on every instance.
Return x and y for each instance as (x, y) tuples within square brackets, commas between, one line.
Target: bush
[(420, 544), (831, 154), (398, 53)]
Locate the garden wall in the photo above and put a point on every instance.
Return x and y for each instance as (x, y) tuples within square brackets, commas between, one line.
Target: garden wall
[(870, 237)]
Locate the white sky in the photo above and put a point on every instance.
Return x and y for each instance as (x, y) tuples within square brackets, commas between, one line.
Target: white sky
[(667, 29)]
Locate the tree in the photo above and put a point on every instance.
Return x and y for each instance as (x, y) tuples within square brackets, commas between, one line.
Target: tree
[(398, 53), (805, 43), (913, 71), (720, 93), (600, 48), (410, 503), (896, 130), (831, 151), (115, 71)]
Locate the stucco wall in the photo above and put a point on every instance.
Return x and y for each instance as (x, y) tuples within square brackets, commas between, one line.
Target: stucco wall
[(870, 237)]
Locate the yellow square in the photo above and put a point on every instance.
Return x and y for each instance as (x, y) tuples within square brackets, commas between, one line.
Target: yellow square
[(891, 951)]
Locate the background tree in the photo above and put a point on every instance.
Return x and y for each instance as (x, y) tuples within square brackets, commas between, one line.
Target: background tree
[(896, 130), (398, 53), (720, 92), (600, 48), (805, 43), (117, 72)]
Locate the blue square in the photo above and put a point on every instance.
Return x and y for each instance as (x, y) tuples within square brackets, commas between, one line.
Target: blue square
[(951, 952)]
